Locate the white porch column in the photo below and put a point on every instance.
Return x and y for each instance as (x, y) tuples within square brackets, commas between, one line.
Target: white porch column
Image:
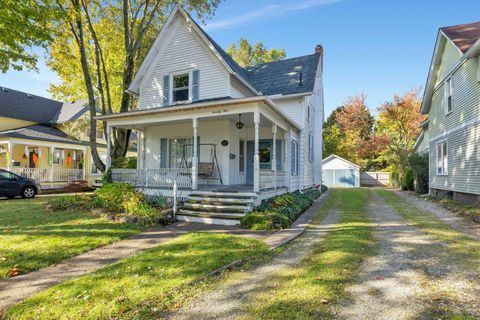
[(194, 156), (50, 160), (109, 149), (288, 158), (10, 155), (84, 158), (256, 154), (274, 155)]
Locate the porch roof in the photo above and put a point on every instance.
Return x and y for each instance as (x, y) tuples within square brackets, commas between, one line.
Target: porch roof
[(42, 133), (198, 105)]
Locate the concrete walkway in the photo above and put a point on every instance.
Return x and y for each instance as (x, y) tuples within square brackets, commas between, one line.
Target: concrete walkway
[(16, 289)]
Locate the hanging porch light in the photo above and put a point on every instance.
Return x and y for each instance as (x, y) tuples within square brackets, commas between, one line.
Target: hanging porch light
[(240, 124)]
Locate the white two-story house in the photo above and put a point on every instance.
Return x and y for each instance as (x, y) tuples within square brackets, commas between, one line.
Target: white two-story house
[(220, 130)]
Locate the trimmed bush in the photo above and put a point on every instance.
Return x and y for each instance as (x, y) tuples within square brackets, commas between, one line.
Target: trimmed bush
[(279, 212), (124, 163)]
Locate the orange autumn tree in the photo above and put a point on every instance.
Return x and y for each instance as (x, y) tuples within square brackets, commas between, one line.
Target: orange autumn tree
[(398, 121)]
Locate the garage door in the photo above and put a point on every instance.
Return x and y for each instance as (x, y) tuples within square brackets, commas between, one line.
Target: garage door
[(339, 178)]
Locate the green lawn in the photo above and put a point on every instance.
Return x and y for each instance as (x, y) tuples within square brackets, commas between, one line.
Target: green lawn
[(143, 286), (33, 238), (307, 291)]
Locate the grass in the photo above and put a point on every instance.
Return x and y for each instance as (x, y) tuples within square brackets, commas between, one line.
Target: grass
[(144, 286), (466, 249), (306, 291), (32, 237), (460, 208)]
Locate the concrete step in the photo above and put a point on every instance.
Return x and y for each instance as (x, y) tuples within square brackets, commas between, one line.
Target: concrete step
[(210, 220), (205, 214), (216, 207)]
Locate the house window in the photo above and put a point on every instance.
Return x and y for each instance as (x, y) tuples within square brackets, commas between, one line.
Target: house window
[(310, 147), (442, 158), (265, 152), (175, 152), (93, 169), (294, 160), (448, 95), (181, 88), (57, 156), (100, 132), (308, 112), (241, 156)]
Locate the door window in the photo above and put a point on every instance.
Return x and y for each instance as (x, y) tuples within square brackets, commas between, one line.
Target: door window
[(4, 175)]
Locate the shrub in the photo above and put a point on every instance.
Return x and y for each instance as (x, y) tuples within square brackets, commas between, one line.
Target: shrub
[(419, 165), (323, 188), (122, 198), (124, 163), (280, 211), (158, 201), (69, 203)]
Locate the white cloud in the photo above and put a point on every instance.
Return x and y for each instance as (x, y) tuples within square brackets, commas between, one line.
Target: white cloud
[(269, 11)]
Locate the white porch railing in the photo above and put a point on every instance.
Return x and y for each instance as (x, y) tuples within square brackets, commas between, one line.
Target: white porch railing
[(49, 175), (154, 178), (281, 178)]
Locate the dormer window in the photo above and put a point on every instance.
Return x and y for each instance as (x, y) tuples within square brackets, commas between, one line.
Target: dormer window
[(181, 88)]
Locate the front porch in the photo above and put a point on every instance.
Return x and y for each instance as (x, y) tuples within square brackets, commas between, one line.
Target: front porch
[(50, 164), (224, 157)]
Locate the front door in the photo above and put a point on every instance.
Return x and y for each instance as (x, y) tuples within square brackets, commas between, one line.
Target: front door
[(265, 151)]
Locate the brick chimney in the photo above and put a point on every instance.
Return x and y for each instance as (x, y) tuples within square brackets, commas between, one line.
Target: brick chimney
[(319, 49)]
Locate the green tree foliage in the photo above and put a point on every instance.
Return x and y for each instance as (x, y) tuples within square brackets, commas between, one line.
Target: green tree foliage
[(245, 55), (24, 25), (418, 163)]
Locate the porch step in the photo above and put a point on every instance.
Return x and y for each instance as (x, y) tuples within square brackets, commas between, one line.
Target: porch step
[(214, 194), (224, 208), (221, 207), (217, 200)]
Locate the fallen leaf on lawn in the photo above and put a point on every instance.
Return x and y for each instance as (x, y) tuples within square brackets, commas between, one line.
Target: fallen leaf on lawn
[(13, 272), (3, 259), (380, 278), (323, 301)]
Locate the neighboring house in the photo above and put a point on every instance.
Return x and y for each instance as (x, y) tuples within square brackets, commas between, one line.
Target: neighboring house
[(452, 103), (47, 139), (210, 124), (340, 173)]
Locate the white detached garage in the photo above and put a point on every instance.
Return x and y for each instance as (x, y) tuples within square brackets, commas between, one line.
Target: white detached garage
[(340, 173)]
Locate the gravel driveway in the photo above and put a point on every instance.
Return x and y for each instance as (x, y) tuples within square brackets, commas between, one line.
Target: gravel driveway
[(410, 277), (227, 301)]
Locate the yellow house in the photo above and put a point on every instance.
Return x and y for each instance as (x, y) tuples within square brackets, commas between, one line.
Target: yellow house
[(47, 140)]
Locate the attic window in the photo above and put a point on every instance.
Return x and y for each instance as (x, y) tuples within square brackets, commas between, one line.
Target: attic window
[(181, 88)]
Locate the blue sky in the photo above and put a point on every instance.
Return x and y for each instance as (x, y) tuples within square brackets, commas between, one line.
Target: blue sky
[(371, 46)]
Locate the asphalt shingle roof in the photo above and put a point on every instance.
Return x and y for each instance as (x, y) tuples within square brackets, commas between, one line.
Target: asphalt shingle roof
[(464, 35), (28, 107), (283, 77), (42, 133)]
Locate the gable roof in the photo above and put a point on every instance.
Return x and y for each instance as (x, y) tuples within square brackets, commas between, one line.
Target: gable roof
[(28, 107), (281, 77), (340, 158), (289, 76), (466, 38), (463, 36)]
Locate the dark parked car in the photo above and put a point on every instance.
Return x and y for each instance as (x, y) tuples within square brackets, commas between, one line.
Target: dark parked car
[(12, 185)]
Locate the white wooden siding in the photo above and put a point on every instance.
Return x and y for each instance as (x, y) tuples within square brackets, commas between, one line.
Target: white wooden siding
[(185, 51)]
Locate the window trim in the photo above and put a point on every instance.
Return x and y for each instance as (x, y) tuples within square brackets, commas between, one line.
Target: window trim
[(189, 72), (309, 113), (444, 145), (448, 94), (310, 146), (294, 167)]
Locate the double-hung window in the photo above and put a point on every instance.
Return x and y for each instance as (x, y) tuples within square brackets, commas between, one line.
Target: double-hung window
[(181, 88), (448, 95), (442, 158), (294, 159), (176, 148), (93, 168)]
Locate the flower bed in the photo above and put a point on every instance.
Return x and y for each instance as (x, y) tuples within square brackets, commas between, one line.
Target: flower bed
[(281, 211)]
